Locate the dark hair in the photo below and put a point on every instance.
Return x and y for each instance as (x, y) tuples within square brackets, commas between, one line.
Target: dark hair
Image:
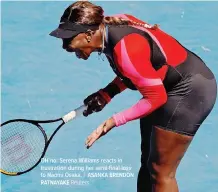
[(85, 12)]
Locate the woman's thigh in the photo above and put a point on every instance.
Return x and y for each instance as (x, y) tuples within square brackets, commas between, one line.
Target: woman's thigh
[(188, 105), (166, 152), (177, 121)]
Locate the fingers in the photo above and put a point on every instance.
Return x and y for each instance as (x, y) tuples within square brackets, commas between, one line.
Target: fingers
[(95, 103), (95, 135), (90, 108), (92, 138), (85, 113), (89, 98), (90, 143), (88, 139)]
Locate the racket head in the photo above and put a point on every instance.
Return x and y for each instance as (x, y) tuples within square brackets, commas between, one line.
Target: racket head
[(23, 144)]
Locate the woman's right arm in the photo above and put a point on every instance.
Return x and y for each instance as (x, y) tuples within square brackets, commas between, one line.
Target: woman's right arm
[(97, 101), (115, 87)]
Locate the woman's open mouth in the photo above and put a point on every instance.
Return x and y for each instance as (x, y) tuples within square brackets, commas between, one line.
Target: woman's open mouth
[(81, 55)]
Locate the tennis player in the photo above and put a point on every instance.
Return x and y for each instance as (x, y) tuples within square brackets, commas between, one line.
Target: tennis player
[(178, 89)]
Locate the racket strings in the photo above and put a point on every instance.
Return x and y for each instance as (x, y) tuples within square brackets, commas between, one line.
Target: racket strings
[(22, 145)]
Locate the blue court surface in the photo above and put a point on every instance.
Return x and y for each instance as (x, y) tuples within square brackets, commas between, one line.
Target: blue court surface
[(41, 81)]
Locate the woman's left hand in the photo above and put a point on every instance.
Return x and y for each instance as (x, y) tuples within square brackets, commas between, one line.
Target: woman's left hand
[(104, 128)]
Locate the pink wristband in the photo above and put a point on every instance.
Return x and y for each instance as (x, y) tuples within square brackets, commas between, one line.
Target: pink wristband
[(119, 119)]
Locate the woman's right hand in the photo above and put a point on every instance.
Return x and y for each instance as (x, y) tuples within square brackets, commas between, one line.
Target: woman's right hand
[(96, 102)]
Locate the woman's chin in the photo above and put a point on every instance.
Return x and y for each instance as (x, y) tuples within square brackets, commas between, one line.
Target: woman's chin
[(85, 57)]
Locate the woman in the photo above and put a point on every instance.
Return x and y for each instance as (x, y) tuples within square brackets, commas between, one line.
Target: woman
[(178, 89)]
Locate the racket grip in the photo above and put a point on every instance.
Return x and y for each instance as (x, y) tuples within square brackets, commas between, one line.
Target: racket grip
[(73, 114)]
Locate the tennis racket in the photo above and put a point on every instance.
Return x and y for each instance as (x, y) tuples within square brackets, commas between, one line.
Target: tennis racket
[(24, 142)]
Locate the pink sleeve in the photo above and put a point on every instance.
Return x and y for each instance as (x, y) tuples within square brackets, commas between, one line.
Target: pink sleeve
[(132, 55)]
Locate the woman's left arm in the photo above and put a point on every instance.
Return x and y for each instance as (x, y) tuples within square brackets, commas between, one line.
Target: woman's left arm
[(132, 54)]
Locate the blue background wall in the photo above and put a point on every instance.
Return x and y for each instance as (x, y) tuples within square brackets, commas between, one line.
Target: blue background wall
[(42, 81)]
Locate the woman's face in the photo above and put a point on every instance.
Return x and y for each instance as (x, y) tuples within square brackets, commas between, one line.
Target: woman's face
[(83, 45)]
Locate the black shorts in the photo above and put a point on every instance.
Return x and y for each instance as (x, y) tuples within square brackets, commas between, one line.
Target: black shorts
[(191, 98)]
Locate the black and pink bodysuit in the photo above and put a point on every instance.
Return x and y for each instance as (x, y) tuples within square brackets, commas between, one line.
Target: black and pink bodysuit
[(177, 87)]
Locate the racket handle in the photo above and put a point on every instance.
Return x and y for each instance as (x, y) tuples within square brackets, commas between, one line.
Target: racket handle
[(73, 114)]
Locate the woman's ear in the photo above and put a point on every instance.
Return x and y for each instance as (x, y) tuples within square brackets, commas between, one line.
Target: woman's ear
[(89, 33)]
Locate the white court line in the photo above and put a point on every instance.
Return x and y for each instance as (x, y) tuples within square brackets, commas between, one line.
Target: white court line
[(29, 103)]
